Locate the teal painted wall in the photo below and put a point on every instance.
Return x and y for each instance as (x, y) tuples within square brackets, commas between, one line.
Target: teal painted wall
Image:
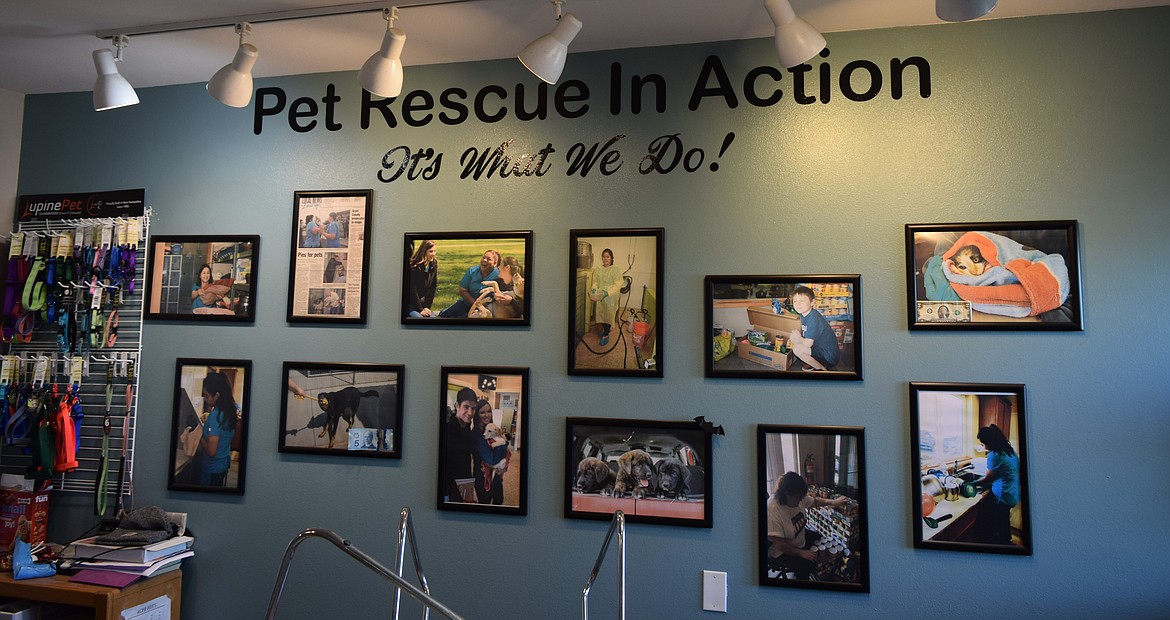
[(1030, 119)]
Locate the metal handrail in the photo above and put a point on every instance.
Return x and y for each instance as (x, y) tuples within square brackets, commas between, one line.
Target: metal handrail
[(401, 584), (618, 524), (406, 533)]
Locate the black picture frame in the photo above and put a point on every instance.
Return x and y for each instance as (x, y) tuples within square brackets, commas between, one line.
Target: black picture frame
[(593, 343), (329, 260), (947, 422), (194, 434), (750, 322), (828, 463), (459, 260), (319, 399), (498, 469), (605, 471), (1021, 276), (174, 275)]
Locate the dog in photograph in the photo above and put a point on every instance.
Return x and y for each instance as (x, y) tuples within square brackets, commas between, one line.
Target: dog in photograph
[(340, 405), (673, 478), (594, 476), (485, 306), (635, 475), (496, 437)]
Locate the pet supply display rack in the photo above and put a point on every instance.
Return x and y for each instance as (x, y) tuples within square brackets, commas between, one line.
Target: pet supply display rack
[(92, 388)]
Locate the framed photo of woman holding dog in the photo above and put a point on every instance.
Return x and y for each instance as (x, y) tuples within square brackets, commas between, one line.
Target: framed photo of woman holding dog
[(483, 435), (342, 409), (467, 278), (1021, 276), (209, 425)]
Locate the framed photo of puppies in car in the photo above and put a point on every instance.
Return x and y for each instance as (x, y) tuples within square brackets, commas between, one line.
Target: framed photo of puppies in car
[(812, 507), (1022, 276), (342, 409), (483, 434), (653, 471), (468, 278)]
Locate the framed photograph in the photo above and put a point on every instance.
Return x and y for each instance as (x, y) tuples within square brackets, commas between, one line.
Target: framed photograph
[(483, 418), (814, 531), (994, 276), (202, 278), (327, 277), (653, 471), (209, 425), (970, 468), (783, 327), (346, 409), (615, 302), (470, 278)]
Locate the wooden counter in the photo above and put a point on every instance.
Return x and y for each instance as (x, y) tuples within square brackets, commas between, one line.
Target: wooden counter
[(105, 603)]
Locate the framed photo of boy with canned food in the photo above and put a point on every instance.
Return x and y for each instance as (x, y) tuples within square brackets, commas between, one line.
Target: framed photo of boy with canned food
[(812, 509), (1021, 276), (783, 326)]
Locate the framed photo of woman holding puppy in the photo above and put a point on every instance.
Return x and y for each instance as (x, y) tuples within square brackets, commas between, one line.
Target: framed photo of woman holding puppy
[(814, 530), (653, 471), (469, 278), (1021, 276), (342, 409), (483, 434)]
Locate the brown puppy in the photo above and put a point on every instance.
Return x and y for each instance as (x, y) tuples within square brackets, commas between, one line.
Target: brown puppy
[(635, 475), (593, 476)]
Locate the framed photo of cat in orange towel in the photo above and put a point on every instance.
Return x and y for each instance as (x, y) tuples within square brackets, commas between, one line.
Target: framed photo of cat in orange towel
[(1022, 276)]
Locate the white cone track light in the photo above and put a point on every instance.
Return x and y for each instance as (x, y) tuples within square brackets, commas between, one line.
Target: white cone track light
[(382, 73), (545, 57), (111, 90), (232, 85), (796, 40)]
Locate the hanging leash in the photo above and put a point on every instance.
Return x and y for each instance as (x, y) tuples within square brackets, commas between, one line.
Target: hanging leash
[(101, 493), (125, 437)]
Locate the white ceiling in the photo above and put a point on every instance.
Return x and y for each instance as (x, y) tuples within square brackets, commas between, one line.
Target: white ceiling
[(46, 45)]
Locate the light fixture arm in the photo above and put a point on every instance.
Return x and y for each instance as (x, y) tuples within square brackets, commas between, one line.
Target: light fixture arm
[(390, 14), (120, 43), (243, 29), (558, 4)]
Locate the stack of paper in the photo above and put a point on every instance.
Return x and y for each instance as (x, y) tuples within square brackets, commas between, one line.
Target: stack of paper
[(120, 566)]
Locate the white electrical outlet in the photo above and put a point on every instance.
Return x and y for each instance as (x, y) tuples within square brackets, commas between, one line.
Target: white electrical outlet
[(714, 591)]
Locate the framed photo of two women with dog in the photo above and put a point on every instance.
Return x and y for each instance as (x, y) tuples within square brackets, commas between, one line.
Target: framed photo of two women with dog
[(342, 409), (1021, 276), (468, 278), (653, 471)]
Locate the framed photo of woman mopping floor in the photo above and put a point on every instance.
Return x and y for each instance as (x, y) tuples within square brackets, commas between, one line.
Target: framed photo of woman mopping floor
[(342, 409), (615, 302), (327, 277), (814, 529), (970, 471), (1022, 276)]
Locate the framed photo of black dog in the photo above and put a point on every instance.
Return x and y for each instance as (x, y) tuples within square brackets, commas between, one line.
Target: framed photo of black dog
[(1022, 276), (783, 327), (812, 507), (342, 409), (653, 471), (970, 479), (205, 278), (209, 425), (615, 302), (328, 271), (468, 278), (483, 434)]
